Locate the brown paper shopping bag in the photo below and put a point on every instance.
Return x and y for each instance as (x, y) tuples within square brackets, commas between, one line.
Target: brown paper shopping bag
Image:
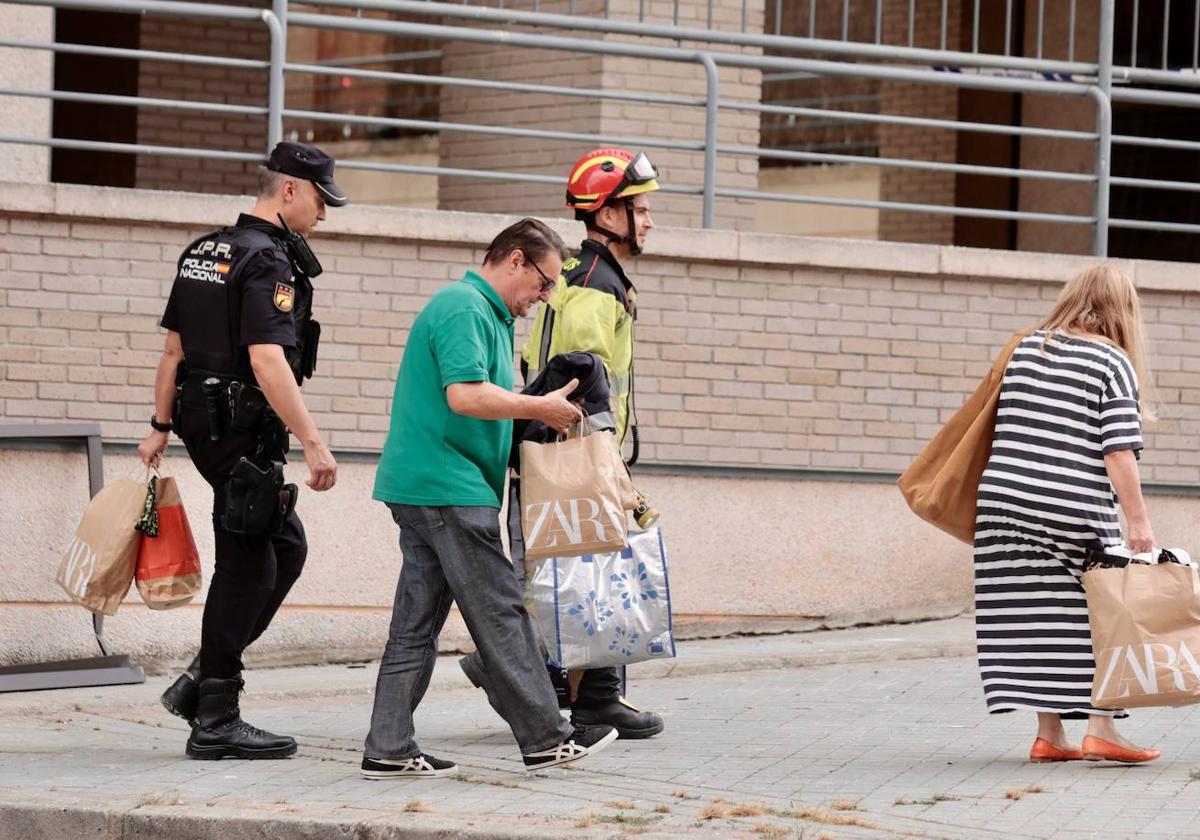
[(628, 495), (98, 565), (168, 564), (942, 484), (572, 502), (1145, 622)]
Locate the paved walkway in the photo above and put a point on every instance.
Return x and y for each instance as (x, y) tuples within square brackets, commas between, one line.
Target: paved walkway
[(879, 744)]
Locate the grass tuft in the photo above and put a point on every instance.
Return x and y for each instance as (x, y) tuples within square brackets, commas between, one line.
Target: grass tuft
[(818, 816), (844, 805), (748, 811), (622, 819), (170, 797), (414, 806)]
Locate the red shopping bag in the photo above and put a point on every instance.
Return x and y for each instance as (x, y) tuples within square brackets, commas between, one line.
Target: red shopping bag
[(168, 564)]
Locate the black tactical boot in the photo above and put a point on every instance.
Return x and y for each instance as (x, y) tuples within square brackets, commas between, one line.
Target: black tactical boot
[(617, 713), (180, 699), (220, 732)]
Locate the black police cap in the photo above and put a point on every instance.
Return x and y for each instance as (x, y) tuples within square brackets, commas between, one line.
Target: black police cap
[(311, 164)]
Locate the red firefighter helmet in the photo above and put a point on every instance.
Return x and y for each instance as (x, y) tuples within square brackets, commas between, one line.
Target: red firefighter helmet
[(603, 175)]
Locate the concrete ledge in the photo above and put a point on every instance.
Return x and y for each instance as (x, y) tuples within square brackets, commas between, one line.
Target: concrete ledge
[(191, 210), (132, 819)]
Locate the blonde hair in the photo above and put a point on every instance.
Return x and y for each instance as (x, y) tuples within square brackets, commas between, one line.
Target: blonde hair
[(1101, 302)]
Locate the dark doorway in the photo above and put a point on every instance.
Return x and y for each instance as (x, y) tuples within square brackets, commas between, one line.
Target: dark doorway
[(90, 121)]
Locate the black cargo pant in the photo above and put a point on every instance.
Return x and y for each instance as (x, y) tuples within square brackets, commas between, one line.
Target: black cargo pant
[(253, 574)]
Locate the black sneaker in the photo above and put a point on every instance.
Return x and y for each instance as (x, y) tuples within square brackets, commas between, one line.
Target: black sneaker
[(629, 721), (584, 741), (419, 766)]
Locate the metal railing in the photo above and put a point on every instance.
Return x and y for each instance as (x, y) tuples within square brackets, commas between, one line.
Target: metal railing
[(789, 56)]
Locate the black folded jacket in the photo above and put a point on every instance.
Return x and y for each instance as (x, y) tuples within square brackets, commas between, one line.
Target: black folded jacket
[(588, 368)]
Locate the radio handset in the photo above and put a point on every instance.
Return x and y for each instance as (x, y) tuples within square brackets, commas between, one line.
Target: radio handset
[(299, 252)]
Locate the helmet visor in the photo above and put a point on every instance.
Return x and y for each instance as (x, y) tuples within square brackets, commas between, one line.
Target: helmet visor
[(640, 170)]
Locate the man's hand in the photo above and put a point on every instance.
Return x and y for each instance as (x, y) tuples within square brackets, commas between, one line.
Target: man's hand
[(151, 448), (322, 469), (556, 411)]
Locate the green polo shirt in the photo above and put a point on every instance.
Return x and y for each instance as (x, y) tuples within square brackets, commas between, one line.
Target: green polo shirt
[(434, 456)]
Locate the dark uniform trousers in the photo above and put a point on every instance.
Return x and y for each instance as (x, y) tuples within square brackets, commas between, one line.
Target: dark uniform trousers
[(253, 574)]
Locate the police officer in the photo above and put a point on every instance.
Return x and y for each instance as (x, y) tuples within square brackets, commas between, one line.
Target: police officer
[(240, 341)]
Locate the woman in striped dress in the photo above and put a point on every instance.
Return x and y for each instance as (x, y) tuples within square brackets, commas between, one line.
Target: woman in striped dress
[(1068, 430)]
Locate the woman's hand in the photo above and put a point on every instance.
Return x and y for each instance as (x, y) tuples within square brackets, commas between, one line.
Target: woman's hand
[(1122, 469), (1140, 538)]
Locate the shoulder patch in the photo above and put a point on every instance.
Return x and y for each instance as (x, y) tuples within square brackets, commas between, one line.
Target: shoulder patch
[(285, 297), (572, 262)]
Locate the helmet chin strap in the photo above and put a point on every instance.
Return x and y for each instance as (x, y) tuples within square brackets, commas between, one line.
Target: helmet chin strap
[(629, 239)]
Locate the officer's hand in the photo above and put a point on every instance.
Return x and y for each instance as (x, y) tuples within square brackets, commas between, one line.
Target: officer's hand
[(150, 450), (322, 469), (557, 412)]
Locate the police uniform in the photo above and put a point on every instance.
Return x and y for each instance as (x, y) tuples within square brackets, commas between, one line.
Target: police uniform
[(249, 284), (235, 287)]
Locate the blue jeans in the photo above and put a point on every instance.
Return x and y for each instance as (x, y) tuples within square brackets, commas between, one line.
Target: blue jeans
[(453, 554)]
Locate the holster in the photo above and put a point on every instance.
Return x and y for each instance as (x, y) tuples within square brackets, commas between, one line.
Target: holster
[(255, 501)]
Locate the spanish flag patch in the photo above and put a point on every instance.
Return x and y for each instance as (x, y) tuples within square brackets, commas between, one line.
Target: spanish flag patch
[(284, 297)]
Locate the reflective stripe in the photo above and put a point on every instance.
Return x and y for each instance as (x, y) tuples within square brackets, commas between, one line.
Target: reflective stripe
[(602, 421), (547, 329)]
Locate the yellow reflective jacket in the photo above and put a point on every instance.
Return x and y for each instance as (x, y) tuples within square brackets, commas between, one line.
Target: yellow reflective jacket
[(589, 311)]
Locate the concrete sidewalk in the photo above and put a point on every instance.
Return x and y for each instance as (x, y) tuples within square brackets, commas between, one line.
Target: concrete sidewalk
[(875, 732)]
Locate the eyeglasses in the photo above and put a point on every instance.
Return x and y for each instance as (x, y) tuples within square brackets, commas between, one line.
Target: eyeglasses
[(548, 283)]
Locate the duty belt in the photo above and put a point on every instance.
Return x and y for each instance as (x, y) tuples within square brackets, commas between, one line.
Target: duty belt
[(192, 386)]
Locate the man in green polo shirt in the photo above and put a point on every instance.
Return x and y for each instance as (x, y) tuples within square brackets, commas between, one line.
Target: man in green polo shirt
[(441, 475)]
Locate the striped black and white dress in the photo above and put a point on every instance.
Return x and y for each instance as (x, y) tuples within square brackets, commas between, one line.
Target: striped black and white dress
[(1044, 497)]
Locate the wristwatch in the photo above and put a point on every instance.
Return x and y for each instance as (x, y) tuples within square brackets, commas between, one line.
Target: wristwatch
[(159, 427)]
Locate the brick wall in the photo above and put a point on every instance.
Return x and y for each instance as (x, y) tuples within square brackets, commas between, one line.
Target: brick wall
[(471, 150), (1073, 113), (609, 118), (193, 129), (802, 353), (928, 144)]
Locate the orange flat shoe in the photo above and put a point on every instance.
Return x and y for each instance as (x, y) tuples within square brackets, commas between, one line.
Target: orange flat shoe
[(1043, 751), (1097, 749)]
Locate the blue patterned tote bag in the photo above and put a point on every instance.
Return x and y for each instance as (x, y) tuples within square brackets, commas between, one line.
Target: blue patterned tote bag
[(604, 609)]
